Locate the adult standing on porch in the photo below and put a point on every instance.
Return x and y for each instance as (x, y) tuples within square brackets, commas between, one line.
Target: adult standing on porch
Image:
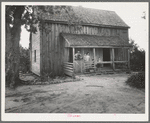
[(87, 57), (87, 60), (84, 57), (78, 56)]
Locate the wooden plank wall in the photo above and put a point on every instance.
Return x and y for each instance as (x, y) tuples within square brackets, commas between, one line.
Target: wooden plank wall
[(121, 54), (52, 51), (36, 46)]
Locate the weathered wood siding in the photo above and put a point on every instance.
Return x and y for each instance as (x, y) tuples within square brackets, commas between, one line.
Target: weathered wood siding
[(121, 54), (53, 53), (35, 67)]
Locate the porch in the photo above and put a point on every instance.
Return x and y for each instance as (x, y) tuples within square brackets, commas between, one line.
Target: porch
[(113, 57)]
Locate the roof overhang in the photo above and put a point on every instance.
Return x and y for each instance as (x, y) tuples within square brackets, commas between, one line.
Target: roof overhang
[(98, 47), (94, 41)]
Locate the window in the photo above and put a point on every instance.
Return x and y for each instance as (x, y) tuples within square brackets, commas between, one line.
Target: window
[(34, 55)]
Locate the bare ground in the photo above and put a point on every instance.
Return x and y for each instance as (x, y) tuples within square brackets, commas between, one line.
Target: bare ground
[(94, 94)]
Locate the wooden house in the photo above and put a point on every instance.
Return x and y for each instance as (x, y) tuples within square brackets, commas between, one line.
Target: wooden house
[(101, 33)]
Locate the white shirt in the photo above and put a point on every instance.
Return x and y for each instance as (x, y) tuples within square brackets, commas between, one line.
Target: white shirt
[(87, 58)]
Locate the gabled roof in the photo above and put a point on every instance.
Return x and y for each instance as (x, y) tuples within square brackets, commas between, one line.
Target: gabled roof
[(88, 16), (82, 40)]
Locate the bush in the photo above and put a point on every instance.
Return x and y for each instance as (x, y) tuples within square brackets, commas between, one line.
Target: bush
[(137, 59), (137, 80)]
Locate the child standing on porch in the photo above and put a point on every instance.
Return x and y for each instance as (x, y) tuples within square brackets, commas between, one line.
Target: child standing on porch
[(99, 64)]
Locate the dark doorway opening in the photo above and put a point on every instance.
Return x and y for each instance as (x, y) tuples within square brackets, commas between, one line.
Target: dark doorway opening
[(70, 55), (106, 56)]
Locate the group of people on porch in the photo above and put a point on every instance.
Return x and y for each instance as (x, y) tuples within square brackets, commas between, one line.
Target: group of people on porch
[(87, 58)]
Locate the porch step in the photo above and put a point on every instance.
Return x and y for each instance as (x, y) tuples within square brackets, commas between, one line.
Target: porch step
[(123, 70), (106, 72)]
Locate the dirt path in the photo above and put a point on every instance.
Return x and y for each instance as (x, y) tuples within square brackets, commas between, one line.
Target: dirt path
[(94, 94)]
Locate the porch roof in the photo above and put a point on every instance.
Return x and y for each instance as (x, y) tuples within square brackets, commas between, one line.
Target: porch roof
[(83, 40)]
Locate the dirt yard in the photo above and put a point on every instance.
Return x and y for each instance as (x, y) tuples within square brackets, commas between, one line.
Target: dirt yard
[(94, 94)]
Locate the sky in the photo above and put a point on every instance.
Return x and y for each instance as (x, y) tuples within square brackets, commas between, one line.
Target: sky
[(130, 13)]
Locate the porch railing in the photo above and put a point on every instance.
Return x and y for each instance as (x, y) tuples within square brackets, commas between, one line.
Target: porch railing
[(68, 68), (88, 66), (117, 64)]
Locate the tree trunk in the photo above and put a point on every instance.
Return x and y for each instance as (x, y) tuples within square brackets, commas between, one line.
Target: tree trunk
[(8, 55), (30, 50), (13, 59), (16, 54)]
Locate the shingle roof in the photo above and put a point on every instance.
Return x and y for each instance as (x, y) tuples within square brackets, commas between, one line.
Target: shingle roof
[(94, 40), (88, 16)]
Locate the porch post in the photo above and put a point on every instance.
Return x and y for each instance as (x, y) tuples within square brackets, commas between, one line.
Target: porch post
[(113, 64), (128, 58), (83, 70), (94, 56), (73, 51), (81, 63)]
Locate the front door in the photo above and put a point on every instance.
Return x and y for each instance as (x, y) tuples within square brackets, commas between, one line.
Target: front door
[(106, 54), (70, 55)]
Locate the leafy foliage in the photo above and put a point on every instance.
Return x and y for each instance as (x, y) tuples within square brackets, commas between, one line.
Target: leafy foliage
[(24, 60), (137, 60), (43, 13), (137, 80), (144, 15), (15, 17), (137, 63)]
